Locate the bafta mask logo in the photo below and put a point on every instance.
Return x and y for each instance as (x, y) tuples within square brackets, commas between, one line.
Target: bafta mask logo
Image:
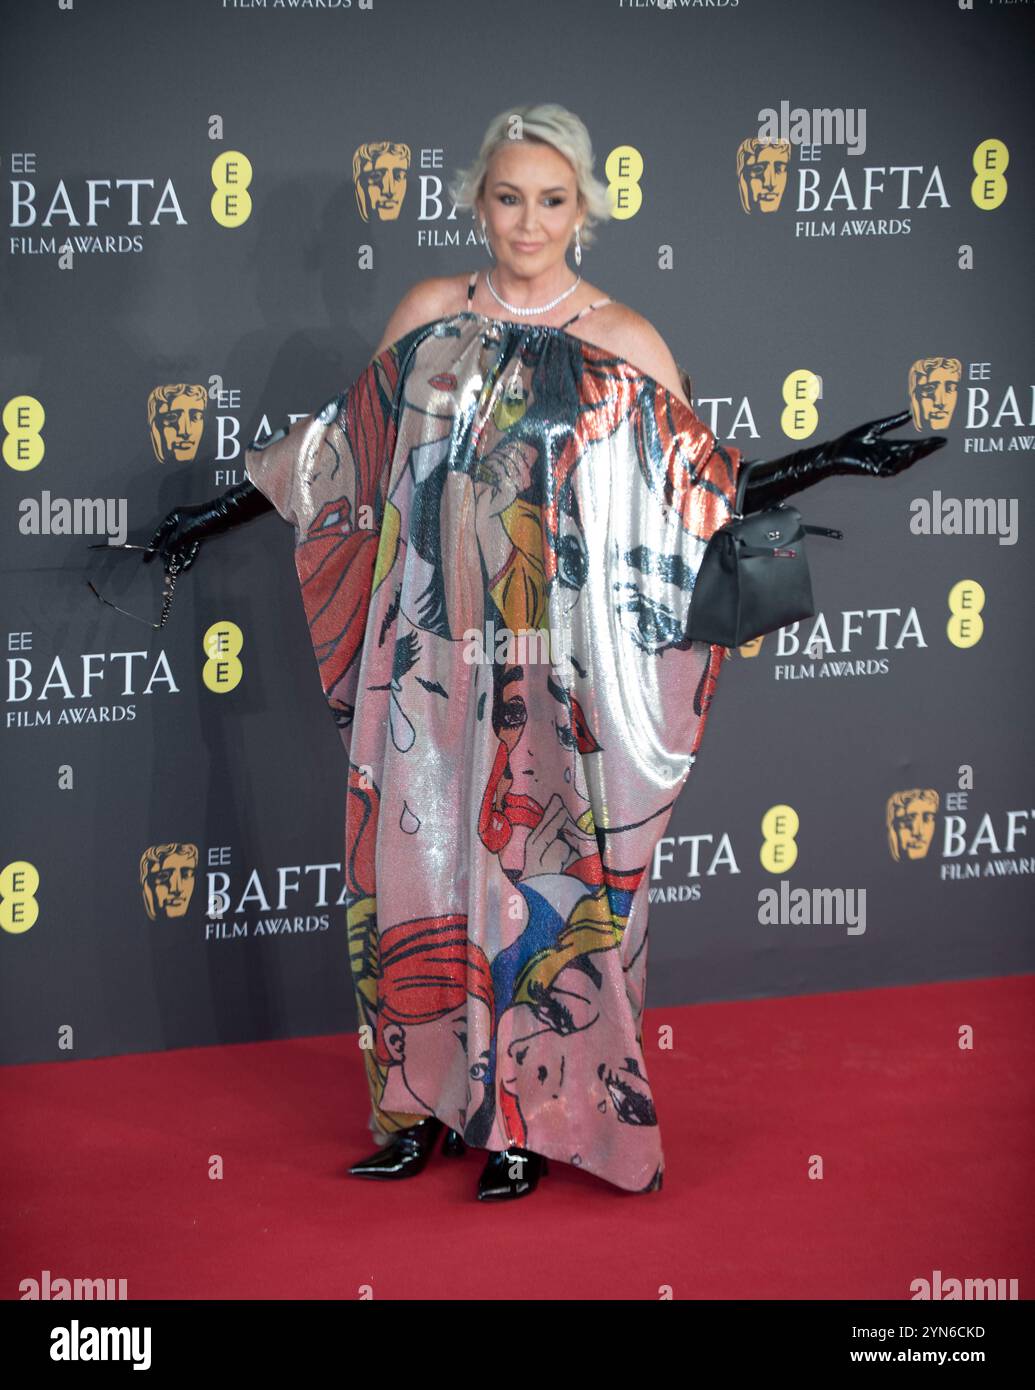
[(910, 817), (749, 649), (934, 384), (167, 880), (379, 174), (762, 173), (176, 418)]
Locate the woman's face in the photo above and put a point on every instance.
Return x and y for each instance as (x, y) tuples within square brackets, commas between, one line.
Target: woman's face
[(566, 1078), (530, 207), (542, 758), (423, 1053)]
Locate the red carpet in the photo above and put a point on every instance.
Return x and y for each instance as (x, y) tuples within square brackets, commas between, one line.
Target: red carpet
[(926, 1150)]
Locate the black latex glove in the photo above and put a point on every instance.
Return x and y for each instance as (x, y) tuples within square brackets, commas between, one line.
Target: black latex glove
[(861, 451), (179, 535)]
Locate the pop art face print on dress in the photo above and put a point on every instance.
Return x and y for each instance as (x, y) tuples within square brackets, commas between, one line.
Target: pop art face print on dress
[(497, 532)]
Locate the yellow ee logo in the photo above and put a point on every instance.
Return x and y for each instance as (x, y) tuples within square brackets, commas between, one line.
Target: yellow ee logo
[(231, 202), (222, 671), (801, 389), (966, 600), (624, 169), (779, 850), (989, 187), (23, 444), (18, 906)]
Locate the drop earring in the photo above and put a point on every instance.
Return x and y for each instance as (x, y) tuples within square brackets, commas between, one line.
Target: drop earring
[(485, 240), (578, 246)]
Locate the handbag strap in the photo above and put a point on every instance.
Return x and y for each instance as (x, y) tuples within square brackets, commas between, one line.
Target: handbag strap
[(738, 507), (742, 482), (779, 552)]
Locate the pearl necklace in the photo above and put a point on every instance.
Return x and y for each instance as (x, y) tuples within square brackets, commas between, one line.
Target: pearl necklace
[(539, 309)]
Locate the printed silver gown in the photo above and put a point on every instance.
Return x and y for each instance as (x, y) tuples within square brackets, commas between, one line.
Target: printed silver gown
[(497, 532)]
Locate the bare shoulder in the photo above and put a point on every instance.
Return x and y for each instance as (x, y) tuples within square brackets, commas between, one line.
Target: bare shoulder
[(422, 303), (628, 334)]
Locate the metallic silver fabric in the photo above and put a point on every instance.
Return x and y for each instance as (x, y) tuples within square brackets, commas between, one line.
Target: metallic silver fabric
[(497, 531)]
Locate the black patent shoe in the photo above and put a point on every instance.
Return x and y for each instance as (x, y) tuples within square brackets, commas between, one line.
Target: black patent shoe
[(453, 1145), (405, 1156), (496, 1184)]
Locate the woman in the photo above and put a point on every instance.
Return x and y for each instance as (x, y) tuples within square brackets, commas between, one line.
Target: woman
[(497, 531)]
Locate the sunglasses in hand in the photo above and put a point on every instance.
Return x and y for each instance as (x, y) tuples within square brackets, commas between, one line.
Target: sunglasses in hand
[(172, 569)]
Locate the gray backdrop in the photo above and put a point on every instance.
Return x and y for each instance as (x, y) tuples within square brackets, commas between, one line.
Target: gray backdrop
[(282, 312)]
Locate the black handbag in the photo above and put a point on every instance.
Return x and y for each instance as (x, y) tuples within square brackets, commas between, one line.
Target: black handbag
[(754, 574)]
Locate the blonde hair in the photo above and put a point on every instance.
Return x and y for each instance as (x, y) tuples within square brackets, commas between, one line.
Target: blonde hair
[(551, 125)]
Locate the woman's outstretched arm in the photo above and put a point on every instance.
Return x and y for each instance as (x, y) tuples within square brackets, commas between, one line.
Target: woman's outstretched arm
[(180, 533), (863, 451)]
